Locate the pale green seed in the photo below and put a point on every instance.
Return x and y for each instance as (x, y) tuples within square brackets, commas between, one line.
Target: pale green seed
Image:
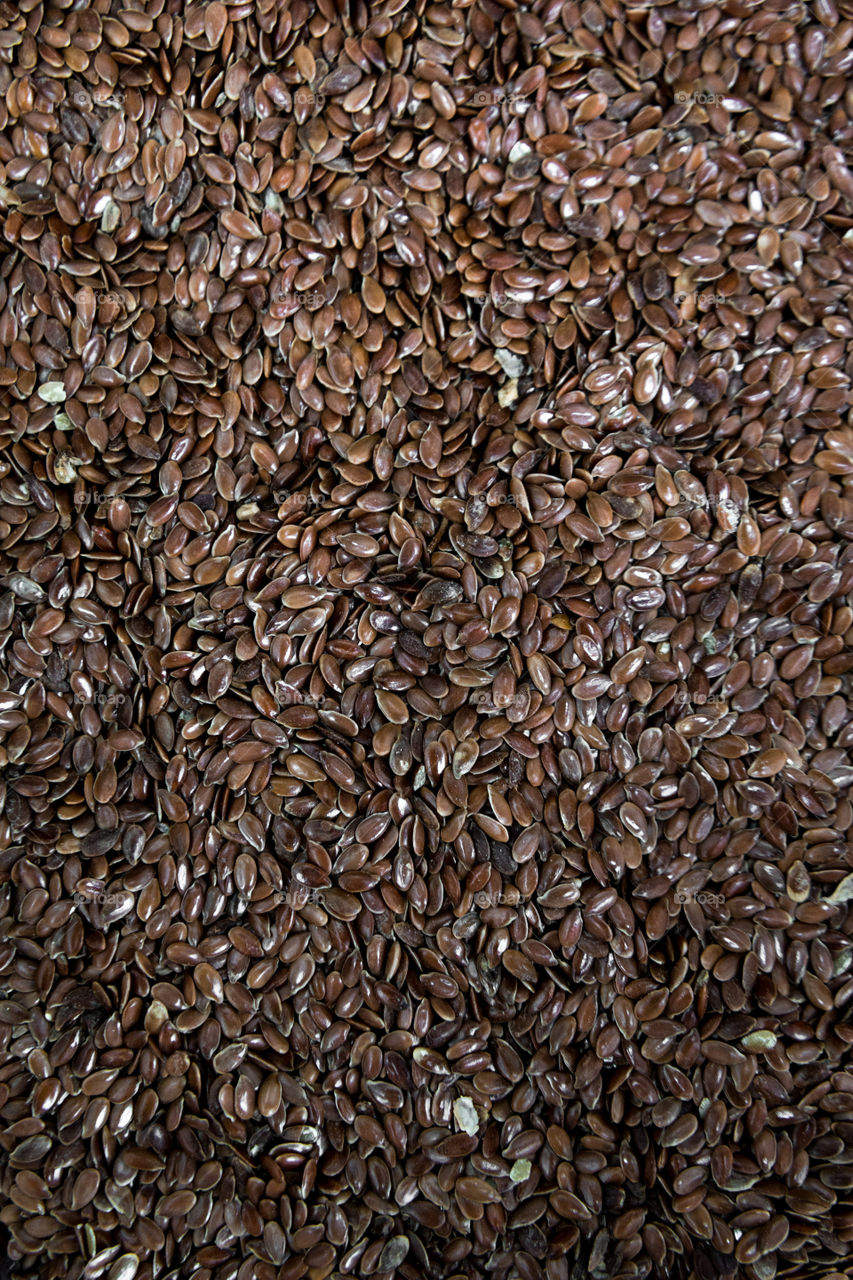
[(466, 1115), (52, 392), (758, 1040)]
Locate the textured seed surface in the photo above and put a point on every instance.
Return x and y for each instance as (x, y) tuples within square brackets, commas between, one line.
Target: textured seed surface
[(426, 554)]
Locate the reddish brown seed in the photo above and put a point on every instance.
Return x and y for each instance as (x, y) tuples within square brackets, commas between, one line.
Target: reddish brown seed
[(425, 635)]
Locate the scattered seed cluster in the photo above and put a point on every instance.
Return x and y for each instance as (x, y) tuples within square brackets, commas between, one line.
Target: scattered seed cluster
[(426, 554)]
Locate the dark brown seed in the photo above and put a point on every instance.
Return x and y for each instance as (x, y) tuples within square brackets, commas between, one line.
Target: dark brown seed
[(425, 630)]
